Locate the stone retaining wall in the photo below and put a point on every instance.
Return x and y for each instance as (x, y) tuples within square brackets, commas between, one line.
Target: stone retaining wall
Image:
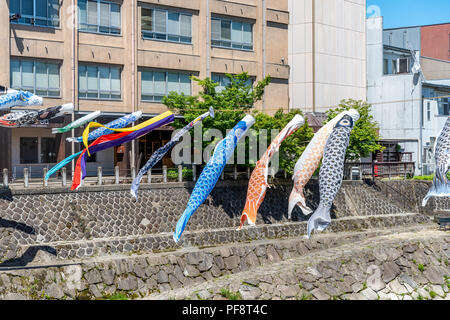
[(344, 262), (106, 219)]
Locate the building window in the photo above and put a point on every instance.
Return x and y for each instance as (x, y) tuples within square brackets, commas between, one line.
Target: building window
[(99, 16), (428, 111), (166, 25), (403, 65), (225, 81), (157, 84), (28, 150), (443, 107), (43, 13), (99, 82), (231, 34), (48, 150), (38, 77)]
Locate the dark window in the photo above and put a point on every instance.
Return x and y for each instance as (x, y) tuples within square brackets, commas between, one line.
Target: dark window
[(44, 13), (29, 150), (48, 150), (403, 65), (92, 158)]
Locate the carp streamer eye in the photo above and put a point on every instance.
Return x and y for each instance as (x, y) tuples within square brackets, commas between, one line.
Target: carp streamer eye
[(345, 122)]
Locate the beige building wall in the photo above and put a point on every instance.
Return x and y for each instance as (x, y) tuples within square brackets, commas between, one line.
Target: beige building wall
[(327, 53), (434, 69), (56, 44), (132, 53)]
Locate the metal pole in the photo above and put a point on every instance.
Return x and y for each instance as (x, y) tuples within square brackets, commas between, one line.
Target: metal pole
[(64, 176), (99, 175), (164, 174), (180, 173), (25, 177), (194, 172), (5, 177), (45, 184)]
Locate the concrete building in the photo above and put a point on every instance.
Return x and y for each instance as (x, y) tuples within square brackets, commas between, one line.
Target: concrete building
[(327, 53), (409, 109), (124, 55)]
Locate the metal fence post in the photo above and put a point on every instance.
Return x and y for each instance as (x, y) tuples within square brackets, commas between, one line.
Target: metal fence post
[(248, 173), (149, 176), (117, 174), (99, 175), (25, 177), (5, 177), (133, 173), (45, 182), (164, 174), (64, 176), (180, 173), (194, 172), (235, 172)]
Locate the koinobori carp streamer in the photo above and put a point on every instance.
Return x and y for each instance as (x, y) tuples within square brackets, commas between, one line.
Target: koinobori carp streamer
[(111, 140), (257, 186), (117, 123), (23, 118), (212, 171), (331, 173), (18, 98), (309, 161), (441, 185), (78, 123), (159, 154), (132, 129)]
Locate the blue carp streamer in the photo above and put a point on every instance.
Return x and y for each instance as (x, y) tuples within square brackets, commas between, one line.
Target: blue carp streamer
[(15, 98), (159, 154), (61, 164), (212, 171), (115, 124)]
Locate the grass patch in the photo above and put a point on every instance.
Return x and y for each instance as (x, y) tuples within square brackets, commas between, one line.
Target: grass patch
[(230, 295), (117, 296), (421, 267), (432, 294)]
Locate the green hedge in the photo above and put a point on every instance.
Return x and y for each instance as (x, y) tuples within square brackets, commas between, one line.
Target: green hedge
[(172, 173)]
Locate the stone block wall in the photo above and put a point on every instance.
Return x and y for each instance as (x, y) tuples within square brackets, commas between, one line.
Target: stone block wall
[(365, 265), (106, 219)]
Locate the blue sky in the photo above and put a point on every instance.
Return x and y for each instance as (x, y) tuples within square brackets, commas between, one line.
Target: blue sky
[(406, 13)]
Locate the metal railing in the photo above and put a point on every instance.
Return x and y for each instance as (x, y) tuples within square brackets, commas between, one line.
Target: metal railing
[(381, 169)]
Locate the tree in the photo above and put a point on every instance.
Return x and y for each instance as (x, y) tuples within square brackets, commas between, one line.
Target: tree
[(364, 136), (231, 105), (291, 148)]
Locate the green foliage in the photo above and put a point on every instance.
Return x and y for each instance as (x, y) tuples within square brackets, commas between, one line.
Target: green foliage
[(364, 136), (428, 178), (291, 148), (172, 173), (432, 294), (229, 295), (421, 267), (118, 296), (231, 105)]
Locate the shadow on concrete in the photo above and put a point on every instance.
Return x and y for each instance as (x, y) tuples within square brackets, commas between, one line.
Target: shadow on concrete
[(4, 223), (6, 194), (27, 257)]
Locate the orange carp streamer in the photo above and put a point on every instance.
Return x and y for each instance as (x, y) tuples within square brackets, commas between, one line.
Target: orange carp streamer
[(258, 185)]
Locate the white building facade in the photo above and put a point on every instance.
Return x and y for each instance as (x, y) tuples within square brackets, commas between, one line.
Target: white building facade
[(327, 53)]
